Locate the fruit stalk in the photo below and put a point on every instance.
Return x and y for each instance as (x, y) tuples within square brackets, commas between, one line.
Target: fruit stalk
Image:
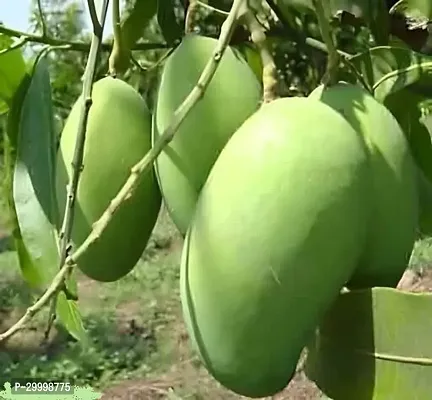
[(119, 58), (322, 9), (269, 72), (191, 12), (141, 167)]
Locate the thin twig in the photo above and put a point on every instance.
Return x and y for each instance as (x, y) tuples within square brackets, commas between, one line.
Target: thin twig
[(42, 18), (75, 46), (97, 26), (36, 307), (269, 73), (141, 167), (210, 8)]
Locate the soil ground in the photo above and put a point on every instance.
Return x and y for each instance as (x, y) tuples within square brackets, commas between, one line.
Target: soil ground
[(143, 350)]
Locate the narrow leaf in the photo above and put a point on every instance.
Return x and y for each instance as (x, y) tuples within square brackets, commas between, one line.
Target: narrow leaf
[(388, 69), (136, 20), (167, 21), (12, 71), (374, 344), (33, 181), (29, 270), (70, 317)]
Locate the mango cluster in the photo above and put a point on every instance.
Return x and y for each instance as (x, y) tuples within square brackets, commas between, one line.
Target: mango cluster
[(306, 197), (281, 205)]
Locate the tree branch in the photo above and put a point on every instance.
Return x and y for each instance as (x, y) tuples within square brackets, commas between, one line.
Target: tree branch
[(71, 45)]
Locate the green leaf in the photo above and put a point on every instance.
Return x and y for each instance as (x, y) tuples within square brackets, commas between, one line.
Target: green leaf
[(70, 317), (136, 20), (171, 30), (12, 71), (388, 69), (374, 344), (29, 270), (33, 181), (418, 10), (409, 106)]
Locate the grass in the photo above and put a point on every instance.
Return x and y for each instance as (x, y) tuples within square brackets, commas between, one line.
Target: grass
[(139, 341)]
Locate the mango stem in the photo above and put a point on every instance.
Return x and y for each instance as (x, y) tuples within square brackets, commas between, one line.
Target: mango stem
[(323, 12), (269, 72), (119, 58)]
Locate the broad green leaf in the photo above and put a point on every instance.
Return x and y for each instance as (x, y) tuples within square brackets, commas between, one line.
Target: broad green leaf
[(12, 71), (136, 20), (388, 69), (374, 344), (70, 317), (409, 106), (419, 10), (373, 13), (33, 181), (171, 30), (28, 268)]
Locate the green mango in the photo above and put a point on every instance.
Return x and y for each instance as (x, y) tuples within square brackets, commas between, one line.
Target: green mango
[(394, 221), (233, 94), (278, 230), (118, 136)]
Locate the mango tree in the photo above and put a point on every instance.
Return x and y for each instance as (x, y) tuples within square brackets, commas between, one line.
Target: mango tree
[(290, 141)]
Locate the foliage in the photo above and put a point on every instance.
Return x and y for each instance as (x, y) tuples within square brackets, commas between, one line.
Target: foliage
[(383, 46)]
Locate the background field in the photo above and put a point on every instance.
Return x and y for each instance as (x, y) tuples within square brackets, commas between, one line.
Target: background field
[(140, 348)]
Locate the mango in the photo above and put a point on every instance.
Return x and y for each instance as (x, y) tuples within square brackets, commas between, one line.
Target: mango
[(393, 226), (118, 136), (278, 230), (233, 95)]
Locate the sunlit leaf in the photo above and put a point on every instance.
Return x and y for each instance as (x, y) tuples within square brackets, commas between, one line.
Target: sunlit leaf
[(70, 317), (388, 69), (12, 71), (374, 344)]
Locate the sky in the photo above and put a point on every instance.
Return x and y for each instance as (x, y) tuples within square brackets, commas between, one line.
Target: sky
[(16, 14)]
